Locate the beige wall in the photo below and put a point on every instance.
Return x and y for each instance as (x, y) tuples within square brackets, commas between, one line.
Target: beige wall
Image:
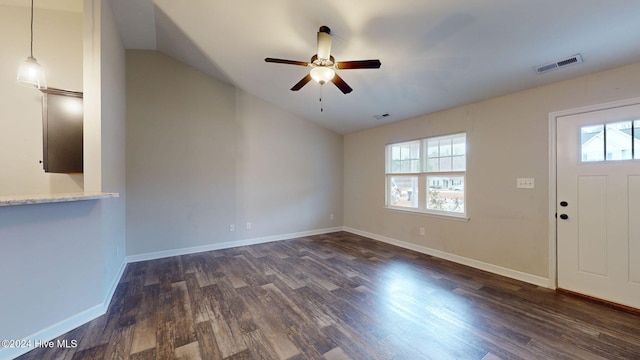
[(202, 155), (507, 138), (58, 48), (59, 262)]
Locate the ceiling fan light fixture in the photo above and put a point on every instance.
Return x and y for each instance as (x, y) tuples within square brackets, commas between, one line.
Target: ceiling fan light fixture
[(322, 74)]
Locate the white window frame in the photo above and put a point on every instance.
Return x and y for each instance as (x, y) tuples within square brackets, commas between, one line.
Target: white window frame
[(423, 175)]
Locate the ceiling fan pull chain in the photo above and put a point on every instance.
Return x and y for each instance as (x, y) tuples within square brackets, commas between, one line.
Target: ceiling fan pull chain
[(321, 107)]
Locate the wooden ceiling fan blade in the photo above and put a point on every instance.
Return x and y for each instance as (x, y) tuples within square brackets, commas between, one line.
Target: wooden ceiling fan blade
[(288, 62), (301, 83), (343, 86), (324, 43), (359, 64)]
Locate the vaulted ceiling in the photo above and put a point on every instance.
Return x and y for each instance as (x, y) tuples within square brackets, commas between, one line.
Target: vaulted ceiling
[(435, 54)]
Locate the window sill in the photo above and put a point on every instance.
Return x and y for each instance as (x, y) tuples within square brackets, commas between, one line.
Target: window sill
[(15, 200), (461, 218)]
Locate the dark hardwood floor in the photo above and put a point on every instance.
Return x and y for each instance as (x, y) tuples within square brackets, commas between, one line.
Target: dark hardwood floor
[(341, 296)]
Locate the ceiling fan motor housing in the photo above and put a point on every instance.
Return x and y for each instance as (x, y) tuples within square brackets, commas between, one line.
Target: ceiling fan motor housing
[(320, 62)]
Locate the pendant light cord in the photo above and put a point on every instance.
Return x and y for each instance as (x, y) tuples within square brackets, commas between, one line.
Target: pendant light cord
[(31, 28)]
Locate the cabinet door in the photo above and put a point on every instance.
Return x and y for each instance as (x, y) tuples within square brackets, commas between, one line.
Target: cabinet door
[(62, 131)]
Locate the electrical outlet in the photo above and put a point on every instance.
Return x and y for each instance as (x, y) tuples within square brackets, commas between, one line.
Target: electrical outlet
[(248, 226), (524, 183), (422, 231), (232, 227), (331, 217)]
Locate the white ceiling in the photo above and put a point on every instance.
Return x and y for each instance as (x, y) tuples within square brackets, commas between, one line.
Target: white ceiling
[(435, 54)]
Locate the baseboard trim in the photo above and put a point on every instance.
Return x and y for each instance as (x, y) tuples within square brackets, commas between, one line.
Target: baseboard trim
[(227, 245), (114, 286), (510, 273), (66, 325), (53, 331)]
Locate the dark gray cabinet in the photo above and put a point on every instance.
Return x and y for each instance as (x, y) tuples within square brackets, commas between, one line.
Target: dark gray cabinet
[(62, 117)]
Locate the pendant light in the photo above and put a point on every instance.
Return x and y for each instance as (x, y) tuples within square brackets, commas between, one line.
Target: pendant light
[(31, 73)]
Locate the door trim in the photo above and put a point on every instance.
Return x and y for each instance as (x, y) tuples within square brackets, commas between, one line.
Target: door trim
[(553, 118)]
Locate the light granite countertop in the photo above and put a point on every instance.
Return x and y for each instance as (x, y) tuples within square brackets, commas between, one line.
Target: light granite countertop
[(14, 200)]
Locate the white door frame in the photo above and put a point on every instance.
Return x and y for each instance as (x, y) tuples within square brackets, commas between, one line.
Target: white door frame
[(553, 117)]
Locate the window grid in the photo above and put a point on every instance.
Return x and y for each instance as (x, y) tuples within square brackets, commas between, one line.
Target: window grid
[(610, 141), (434, 181)]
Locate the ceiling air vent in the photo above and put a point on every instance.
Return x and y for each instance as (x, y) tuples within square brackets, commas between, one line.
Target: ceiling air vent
[(380, 117), (575, 59)]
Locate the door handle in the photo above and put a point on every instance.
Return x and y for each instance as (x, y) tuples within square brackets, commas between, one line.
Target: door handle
[(564, 216), (564, 203)]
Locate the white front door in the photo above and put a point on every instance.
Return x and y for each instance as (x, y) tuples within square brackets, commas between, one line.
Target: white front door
[(598, 204)]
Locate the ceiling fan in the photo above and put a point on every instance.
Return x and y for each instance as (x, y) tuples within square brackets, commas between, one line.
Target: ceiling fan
[(323, 64)]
